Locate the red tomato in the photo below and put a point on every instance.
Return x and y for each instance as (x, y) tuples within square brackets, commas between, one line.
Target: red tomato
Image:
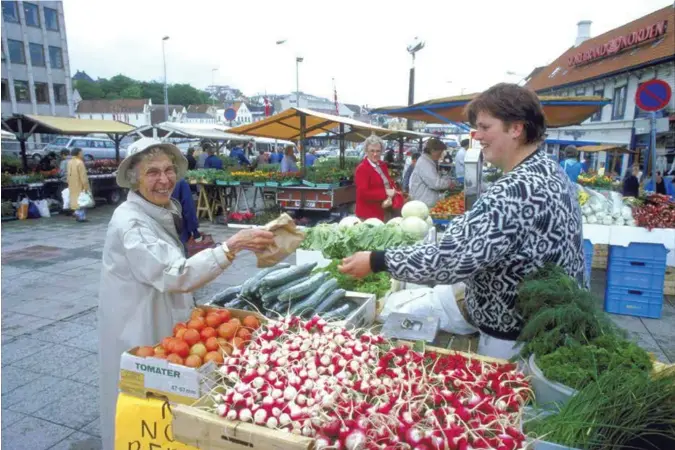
[(181, 348), (216, 357), (213, 320), (196, 324), (212, 344), (192, 336), (208, 332)]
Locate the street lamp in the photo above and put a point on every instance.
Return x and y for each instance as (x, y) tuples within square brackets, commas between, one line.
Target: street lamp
[(166, 89), (413, 48), (213, 85), (298, 60)]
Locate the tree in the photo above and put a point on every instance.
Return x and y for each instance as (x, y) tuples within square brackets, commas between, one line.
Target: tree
[(153, 90), (89, 90), (131, 92)]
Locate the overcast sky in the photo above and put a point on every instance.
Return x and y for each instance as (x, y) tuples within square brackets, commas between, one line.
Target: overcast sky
[(470, 44)]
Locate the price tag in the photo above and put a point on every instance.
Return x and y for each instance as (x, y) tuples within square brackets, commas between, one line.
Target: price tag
[(311, 204), (297, 203)]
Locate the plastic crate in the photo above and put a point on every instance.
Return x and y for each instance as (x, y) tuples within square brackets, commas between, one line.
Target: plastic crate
[(636, 275), (588, 257), (638, 251), (634, 302)]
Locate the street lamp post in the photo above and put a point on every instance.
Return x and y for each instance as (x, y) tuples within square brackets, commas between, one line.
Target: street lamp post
[(213, 86), (298, 60), (166, 89), (413, 48)]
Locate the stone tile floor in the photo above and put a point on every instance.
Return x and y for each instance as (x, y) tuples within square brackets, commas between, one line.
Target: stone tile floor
[(50, 273)]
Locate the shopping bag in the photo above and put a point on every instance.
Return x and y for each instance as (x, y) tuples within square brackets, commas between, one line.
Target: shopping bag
[(33, 211), (43, 208), (287, 238), (85, 200), (22, 210), (65, 196), (194, 246)]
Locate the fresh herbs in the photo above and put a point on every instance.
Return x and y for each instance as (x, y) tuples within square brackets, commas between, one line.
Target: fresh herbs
[(623, 409), (375, 283), (338, 243)]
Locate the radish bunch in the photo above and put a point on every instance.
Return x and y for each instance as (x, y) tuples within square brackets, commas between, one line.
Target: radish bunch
[(356, 391)]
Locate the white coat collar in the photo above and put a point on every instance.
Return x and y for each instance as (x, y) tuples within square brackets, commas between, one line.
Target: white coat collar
[(163, 216)]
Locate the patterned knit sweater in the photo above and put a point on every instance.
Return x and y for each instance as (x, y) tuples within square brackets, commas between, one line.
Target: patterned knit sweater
[(527, 218)]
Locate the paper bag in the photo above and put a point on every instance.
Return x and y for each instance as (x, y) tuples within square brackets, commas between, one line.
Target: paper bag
[(287, 238)]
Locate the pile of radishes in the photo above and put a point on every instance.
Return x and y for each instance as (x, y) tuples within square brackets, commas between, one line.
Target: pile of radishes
[(359, 392)]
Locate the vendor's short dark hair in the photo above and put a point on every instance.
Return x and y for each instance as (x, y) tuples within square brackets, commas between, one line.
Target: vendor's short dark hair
[(65, 152), (571, 151), (76, 151), (464, 143), (415, 156), (511, 103)]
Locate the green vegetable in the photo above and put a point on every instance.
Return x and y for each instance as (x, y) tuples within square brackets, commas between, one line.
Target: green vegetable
[(253, 283), (272, 296), (226, 295), (623, 409), (375, 283), (287, 275), (338, 243), (330, 301), (307, 306), (339, 313), (305, 288)]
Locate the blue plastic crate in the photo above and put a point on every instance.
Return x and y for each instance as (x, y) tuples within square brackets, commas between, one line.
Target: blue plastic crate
[(634, 302), (588, 255), (638, 251), (636, 275)]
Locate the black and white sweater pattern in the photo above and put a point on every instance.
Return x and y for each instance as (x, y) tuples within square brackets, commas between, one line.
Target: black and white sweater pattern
[(527, 218)]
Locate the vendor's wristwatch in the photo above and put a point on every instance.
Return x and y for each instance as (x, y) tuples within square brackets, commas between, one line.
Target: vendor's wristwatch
[(230, 255)]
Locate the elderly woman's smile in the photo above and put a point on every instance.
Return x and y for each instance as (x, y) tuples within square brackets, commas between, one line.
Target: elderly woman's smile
[(157, 179)]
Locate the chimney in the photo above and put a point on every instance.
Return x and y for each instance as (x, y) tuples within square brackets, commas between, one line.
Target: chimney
[(583, 32)]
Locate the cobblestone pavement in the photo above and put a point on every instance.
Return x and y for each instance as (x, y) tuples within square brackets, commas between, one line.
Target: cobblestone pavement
[(50, 274)]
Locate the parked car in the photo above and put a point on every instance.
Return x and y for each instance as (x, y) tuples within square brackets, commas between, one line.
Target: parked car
[(93, 148)]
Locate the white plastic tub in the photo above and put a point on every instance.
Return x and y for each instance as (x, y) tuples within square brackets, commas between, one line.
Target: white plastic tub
[(548, 393)]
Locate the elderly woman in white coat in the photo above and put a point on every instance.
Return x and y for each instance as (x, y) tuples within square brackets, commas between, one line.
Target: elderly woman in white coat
[(426, 184), (146, 278)]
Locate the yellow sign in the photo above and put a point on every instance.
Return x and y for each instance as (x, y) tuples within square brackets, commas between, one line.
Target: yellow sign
[(144, 424)]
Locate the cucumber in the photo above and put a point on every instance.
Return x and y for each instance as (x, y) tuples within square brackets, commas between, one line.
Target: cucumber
[(250, 286), (339, 313), (272, 295), (329, 301), (225, 296), (304, 288), (313, 300), (235, 303), (287, 275)]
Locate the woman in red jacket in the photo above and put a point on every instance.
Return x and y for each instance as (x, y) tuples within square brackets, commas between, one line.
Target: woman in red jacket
[(374, 187)]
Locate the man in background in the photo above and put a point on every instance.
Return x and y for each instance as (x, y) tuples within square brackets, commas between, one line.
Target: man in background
[(459, 160), (408, 172), (213, 161)]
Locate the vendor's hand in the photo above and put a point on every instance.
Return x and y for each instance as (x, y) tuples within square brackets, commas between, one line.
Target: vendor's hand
[(357, 265), (390, 192), (255, 240)]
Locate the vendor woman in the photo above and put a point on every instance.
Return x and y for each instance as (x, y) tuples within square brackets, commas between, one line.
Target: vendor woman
[(529, 217)]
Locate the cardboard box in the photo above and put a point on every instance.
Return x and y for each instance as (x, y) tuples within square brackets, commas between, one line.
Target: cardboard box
[(364, 315), (141, 376)]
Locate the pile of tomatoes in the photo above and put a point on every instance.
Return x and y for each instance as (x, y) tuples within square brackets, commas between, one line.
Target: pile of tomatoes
[(449, 206), (210, 334)]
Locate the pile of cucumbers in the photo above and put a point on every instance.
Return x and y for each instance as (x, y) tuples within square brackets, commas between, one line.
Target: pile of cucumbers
[(285, 289)]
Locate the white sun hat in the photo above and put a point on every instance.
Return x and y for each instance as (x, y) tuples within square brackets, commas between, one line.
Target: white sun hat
[(144, 145)]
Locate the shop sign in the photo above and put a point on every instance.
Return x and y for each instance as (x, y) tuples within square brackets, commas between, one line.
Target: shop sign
[(613, 46)]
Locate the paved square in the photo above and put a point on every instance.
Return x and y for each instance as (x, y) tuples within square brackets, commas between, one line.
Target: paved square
[(50, 274)]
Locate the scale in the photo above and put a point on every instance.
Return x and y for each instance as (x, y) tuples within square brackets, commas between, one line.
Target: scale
[(411, 327)]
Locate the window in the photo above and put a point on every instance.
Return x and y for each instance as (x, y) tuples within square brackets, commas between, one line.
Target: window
[(21, 91), (16, 52), (580, 92), (5, 90), (60, 93), (619, 103), (80, 143), (109, 144), (55, 57), (41, 92), (37, 54), (51, 19), (10, 12), (32, 14), (598, 92)]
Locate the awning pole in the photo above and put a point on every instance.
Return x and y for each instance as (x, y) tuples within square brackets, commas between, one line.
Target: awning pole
[(342, 146), (22, 144), (301, 141)]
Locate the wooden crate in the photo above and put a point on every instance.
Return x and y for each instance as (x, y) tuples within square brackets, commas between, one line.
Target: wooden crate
[(600, 254), (194, 426)]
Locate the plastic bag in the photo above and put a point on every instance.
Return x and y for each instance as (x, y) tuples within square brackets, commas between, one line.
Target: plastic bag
[(439, 301), (85, 200), (33, 211), (22, 210), (65, 195), (43, 208), (617, 204), (287, 238)]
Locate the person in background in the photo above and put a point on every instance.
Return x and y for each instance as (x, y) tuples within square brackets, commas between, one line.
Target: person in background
[(570, 165), (276, 156), (237, 153), (190, 228), (77, 183), (289, 163), (263, 158), (201, 157), (48, 162), (586, 166), (660, 186), (310, 157), (459, 160), (374, 186), (146, 280), (426, 184), (192, 162), (631, 184), (405, 183), (63, 166), (389, 156), (213, 161)]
